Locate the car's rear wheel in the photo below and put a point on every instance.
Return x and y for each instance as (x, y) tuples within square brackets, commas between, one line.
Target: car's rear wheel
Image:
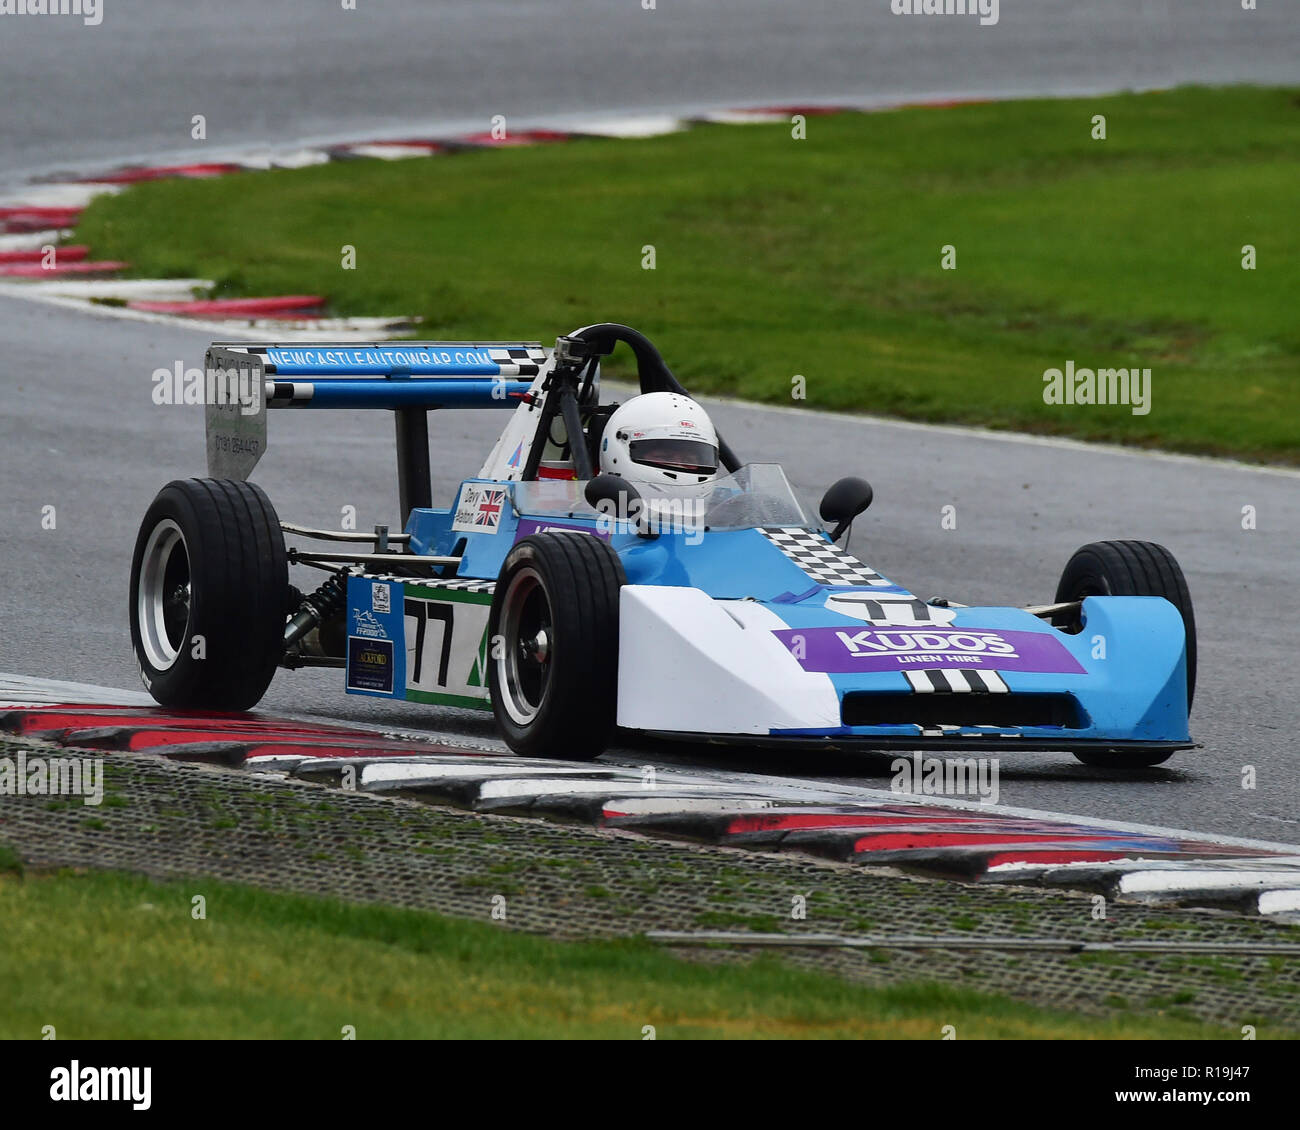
[(553, 631), (1128, 568), (209, 589)]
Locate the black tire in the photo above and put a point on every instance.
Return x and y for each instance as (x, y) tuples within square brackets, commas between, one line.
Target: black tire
[(1129, 568), (558, 593), (209, 562)]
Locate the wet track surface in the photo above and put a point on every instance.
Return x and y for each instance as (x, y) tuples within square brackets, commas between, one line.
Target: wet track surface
[(80, 433)]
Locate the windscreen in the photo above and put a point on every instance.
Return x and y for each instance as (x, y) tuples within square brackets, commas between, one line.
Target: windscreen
[(758, 494)]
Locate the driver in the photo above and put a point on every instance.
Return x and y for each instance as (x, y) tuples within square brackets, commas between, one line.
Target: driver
[(662, 443)]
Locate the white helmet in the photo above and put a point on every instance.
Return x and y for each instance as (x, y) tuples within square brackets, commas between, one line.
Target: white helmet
[(662, 439)]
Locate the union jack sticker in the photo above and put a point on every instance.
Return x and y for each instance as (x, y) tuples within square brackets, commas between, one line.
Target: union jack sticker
[(480, 508)]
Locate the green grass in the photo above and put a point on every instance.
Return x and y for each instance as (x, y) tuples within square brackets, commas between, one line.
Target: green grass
[(821, 257), (104, 955)]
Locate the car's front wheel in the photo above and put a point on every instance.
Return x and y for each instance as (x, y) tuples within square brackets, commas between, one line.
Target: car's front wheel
[(553, 632), (209, 592), (1128, 568)]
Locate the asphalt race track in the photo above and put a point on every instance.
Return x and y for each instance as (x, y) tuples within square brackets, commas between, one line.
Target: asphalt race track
[(275, 73), (80, 432)]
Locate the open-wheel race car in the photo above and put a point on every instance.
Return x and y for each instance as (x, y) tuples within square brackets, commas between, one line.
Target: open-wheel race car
[(618, 566)]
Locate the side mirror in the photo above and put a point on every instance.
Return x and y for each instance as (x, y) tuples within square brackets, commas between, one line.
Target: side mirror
[(843, 502), (614, 495)]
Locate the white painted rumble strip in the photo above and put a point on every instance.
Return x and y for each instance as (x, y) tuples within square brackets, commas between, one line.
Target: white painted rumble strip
[(1151, 863), (797, 787), (21, 690), (1202, 879), (262, 159), (32, 240), (368, 758), (669, 805), (389, 152), (743, 118), (27, 690), (1279, 902), (427, 771), (157, 290), (221, 329), (648, 125), (523, 787), (275, 761), (61, 195)]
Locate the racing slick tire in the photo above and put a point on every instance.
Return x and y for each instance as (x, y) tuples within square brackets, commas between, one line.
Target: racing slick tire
[(554, 644), (209, 590), (1129, 568)]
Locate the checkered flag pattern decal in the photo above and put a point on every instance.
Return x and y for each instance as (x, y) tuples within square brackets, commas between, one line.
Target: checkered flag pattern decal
[(519, 361), (459, 584), (822, 560), (955, 680)]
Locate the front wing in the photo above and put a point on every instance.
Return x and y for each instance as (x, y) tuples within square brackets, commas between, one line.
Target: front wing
[(694, 667)]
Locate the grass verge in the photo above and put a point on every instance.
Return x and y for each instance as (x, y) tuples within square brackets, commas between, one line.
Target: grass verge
[(104, 955), (821, 258)]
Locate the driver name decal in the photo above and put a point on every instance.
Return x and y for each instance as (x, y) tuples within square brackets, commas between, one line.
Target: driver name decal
[(479, 509), (844, 650)]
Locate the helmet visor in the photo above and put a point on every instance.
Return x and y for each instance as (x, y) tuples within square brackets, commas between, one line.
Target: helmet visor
[(687, 455)]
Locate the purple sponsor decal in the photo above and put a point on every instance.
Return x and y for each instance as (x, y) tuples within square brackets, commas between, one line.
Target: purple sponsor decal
[(538, 526), (843, 650)]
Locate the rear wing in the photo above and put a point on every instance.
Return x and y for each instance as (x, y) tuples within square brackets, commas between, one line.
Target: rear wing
[(409, 378)]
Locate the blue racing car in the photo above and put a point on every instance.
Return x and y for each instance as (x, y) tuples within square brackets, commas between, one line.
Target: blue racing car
[(617, 565)]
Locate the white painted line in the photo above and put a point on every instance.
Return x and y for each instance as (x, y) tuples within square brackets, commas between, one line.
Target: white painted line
[(58, 195), (1279, 902), (262, 159), (524, 787), (1152, 863), (25, 690), (1197, 878), (669, 805), (431, 761), (157, 290), (743, 117), (649, 125), (389, 152), (32, 241), (223, 328), (427, 770), (274, 760)]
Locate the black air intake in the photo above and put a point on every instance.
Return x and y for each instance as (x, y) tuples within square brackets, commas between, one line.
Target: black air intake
[(891, 708)]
